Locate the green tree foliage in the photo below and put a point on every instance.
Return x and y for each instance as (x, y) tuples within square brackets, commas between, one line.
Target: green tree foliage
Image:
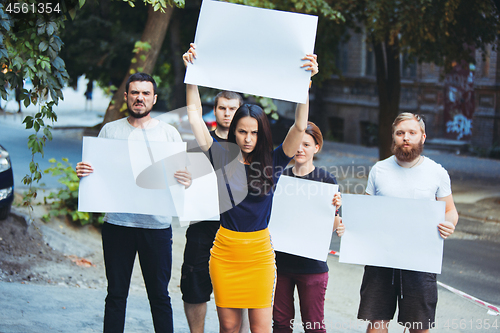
[(146, 52), (105, 36), (64, 202), (444, 32), (98, 43), (170, 67), (30, 45), (29, 49), (94, 49)]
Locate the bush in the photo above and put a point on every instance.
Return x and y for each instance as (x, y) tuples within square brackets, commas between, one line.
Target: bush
[(491, 152), (65, 201), (495, 152)]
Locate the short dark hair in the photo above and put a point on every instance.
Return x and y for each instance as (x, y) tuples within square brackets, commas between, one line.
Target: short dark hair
[(140, 77), (228, 95)]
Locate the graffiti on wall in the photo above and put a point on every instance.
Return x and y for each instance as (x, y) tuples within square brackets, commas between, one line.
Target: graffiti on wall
[(460, 125), (459, 102)]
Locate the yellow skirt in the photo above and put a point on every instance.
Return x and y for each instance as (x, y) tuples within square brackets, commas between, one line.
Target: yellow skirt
[(242, 269)]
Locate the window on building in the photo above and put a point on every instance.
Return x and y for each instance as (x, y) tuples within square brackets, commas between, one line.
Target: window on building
[(370, 61), (336, 129), (408, 66), (485, 63), (342, 58), (369, 133)]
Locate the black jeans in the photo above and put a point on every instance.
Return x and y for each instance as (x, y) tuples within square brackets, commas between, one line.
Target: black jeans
[(120, 244)]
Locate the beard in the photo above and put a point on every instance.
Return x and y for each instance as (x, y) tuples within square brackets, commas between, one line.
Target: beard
[(407, 154), (137, 115)]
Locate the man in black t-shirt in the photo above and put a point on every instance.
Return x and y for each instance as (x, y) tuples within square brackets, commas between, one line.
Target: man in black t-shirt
[(196, 285)]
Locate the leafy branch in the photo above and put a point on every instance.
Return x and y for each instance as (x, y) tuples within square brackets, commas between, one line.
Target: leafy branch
[(29, 48), (159, 4)]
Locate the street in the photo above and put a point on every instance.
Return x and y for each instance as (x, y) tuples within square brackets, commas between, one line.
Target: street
[(65, 143)]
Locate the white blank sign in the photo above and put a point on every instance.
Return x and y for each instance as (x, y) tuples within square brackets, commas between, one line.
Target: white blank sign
[(392, 232), (253, 50), (302, 217), (201, 198), (113, 187)]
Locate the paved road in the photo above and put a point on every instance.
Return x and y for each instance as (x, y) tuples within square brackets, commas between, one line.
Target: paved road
[(473, 266), (65, 143)]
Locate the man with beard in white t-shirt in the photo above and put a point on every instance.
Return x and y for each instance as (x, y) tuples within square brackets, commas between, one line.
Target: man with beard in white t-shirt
[(406, 174)]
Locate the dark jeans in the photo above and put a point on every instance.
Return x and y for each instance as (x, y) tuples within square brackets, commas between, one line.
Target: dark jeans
[(311, 289), (120, 244)]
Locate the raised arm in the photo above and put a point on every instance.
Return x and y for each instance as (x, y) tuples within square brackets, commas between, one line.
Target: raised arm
[(194, 108), (296, 132), (200, 129)]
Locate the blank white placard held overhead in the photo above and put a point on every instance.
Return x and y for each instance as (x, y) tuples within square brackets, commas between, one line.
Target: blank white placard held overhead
[(253, 50)]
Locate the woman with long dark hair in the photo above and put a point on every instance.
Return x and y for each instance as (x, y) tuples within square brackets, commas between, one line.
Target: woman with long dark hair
[(242, 265)]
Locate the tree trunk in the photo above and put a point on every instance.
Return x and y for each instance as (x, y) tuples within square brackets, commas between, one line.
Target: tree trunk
[(143, 61), (179, 89), (317, 112), (387, 63)]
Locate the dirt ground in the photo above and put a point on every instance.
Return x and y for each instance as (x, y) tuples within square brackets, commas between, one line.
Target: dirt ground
[(25, 255), (73, 258)]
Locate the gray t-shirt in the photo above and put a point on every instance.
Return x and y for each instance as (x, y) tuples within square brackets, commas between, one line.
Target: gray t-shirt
[(121, 129)]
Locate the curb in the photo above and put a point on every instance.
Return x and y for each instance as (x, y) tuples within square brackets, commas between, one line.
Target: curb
[(19, 215), (481, 212)]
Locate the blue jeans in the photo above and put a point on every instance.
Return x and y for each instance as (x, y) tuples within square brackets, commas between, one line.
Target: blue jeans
[(120, 245)]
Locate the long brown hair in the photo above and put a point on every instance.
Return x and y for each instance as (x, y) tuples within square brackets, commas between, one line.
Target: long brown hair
[(259, 177)]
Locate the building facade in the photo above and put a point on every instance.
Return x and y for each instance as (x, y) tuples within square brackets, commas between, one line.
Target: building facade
[(350, 104)]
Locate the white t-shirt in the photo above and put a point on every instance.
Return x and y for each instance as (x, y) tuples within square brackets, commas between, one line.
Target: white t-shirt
[(121, 129), (428, 180)]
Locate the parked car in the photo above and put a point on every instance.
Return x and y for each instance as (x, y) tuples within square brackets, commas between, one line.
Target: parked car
[(210, 121), (6, 184)]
